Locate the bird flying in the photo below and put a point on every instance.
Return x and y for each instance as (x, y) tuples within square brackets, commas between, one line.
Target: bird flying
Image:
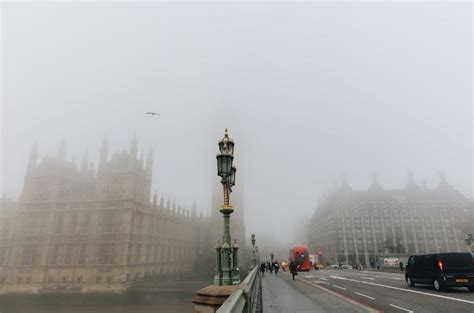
[(153, 113)]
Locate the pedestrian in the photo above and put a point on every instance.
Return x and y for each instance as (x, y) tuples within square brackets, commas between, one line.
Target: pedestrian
[(340, 265), (293, 269), (262, 268), (276, 266), (401, 266), (270, 267)]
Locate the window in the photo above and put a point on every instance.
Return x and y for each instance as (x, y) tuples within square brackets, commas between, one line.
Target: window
[(28, 255), (106, 253), (86, 226), (107, 221), (73, 224), (82, 254), (68, 256), (54, 254), (59, 223)]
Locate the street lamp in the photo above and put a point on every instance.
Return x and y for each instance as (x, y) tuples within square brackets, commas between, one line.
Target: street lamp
[(227, 269), (254, 253), (232, 178)]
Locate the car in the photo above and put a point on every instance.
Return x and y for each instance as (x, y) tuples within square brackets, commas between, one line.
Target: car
[(346, 266), (334, 266), (442, 270)]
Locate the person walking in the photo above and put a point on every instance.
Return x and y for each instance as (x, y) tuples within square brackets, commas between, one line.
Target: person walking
[(262, 268), (276, 267), (401, 266), (293, 269), (270, 267)]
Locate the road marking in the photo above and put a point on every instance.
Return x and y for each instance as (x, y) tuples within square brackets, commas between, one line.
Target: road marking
[(339, 287), (407, 290), (364, 277), (400, 308), (361, 294), (340, 295)]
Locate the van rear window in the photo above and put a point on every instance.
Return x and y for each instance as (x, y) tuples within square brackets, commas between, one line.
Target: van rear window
[(456, 260)]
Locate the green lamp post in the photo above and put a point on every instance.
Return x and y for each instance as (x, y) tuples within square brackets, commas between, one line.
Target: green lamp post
[(227, 269)]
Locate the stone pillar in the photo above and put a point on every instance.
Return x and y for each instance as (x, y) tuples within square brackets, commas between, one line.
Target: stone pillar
[(210, 298)]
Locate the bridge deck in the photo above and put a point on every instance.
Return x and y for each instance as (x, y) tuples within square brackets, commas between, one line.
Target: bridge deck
[(283, 295)]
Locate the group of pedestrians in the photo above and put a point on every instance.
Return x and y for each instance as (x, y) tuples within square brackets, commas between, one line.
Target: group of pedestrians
[(274, 266), (270, 267)]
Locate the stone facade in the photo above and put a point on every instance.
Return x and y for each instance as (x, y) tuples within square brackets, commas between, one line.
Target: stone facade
[(362, 225), (90, 230)]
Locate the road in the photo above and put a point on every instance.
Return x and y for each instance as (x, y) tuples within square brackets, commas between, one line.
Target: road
[(383, 292), (282, 295)]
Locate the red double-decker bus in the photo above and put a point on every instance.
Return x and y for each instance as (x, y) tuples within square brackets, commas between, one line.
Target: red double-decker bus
[(299, 254)]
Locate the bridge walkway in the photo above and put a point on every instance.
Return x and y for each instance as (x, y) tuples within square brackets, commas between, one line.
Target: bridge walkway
[(283, 295)]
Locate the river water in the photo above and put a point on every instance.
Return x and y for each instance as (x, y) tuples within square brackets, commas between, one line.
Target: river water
[(168, 302)]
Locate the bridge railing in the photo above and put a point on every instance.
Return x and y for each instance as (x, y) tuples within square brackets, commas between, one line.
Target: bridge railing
[(247, 298)]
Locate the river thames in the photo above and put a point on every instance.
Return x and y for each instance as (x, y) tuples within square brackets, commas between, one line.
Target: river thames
[(156, 301)]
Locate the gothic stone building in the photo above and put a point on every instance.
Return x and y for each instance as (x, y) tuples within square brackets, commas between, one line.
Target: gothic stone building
[(362, 225), (93, 231)]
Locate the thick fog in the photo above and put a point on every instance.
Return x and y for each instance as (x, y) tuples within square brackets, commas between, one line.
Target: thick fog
[(309, 91)]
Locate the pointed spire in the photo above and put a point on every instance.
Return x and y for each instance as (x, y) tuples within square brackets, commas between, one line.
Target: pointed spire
[(141, 161), (423, 185), (411, 182), (3, 207), (104, 149), (33, 153), (73, 163), (193, 210), (443, 182), (375, 183), (155, 200), (134, 146), (344, 186), (84, 162), (149, 161), (62, 150), (162, 202), (32, 157)]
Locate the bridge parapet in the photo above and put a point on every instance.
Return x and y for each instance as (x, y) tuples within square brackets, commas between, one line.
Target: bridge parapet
[(247, 298)]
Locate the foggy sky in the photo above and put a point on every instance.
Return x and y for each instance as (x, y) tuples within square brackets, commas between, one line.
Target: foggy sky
[(308, 92)]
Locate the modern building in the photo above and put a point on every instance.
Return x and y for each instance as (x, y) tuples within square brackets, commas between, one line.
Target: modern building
[(90, 230), (359, 226)]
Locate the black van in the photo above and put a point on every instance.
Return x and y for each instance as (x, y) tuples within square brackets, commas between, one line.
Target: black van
[(442, 270)]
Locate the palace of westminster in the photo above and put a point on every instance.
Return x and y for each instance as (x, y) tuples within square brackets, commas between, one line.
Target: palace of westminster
[(95, 230)]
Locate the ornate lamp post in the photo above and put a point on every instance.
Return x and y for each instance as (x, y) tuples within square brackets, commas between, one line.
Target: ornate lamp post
[(254, 253), (227, 270)]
